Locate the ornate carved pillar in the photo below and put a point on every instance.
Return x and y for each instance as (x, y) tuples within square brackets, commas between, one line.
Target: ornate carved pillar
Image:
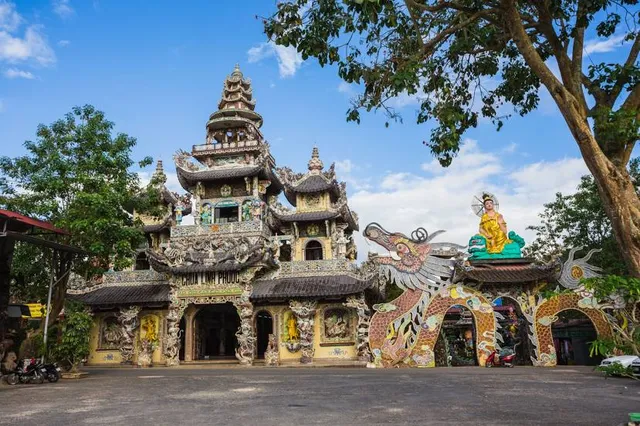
[(188, 336), (362, 331), (305, 312), (172, 337), (128, 318), (246, 336)]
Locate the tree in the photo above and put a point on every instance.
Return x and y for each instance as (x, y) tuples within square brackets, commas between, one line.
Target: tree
[(625, 318), (580, 220), (469, 59), (73, 346), (77, 176)]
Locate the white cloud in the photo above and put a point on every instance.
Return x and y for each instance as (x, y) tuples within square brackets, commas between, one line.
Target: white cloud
[(289, 60), (16, 73), (345, 88), (603, 46), (440, 199), (344, 172), (63, 8), (511, 148), (33, 47), (9, 18), (64, 43)]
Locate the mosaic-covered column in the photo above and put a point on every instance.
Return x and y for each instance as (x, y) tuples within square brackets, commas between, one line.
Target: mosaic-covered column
[(362, 333), (305, 312), (128, 318), (188, 335), (246, 336), (172, 336)]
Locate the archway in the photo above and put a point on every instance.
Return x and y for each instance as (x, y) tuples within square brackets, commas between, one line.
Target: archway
[(215, 328), (264, 327), (513, 328), (572, 333), (313, 251), (548, 312), (456, 345)]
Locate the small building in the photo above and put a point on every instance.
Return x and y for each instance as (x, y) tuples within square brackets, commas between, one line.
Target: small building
[(250, 278)]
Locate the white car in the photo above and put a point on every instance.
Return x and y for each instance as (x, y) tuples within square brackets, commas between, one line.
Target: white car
[(635, 366), (625, 360)]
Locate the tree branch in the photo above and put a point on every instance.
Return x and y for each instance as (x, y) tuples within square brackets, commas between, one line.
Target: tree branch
[(429, 46), (623, 78)]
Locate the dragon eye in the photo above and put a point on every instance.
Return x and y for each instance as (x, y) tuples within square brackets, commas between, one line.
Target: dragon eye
[(402, 248)]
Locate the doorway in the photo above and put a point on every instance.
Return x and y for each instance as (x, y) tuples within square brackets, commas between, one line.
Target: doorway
[(456, 345), (572, 334), (264, 327), (215, 329)]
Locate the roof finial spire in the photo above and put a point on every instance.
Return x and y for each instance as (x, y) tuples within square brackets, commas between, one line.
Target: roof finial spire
[(315, 164), (236, 71), (159, 177)]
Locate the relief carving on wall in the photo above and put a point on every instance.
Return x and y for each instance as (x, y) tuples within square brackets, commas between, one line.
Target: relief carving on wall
[(337, 325), (111, 334)]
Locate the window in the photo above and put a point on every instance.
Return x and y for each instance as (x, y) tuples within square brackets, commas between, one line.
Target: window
[(313, 251), (226, 214), (142, 263), (285, 253)]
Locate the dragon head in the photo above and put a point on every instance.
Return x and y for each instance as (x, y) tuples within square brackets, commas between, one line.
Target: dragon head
[(410, 262), (405, 253)]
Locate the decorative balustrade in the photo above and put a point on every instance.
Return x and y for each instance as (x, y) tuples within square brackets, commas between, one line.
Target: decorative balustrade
[(224, 145), (317, 267), (237, 228), (78, 285)]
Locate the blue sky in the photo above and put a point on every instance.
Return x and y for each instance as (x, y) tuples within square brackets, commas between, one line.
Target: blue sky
[(156, 70)]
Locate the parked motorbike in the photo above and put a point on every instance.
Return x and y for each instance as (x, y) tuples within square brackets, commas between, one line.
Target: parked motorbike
[(50, 371), (26, 372), (506, 358)]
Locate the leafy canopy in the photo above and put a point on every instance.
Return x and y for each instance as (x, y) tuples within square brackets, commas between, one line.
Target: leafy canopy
[(468, 59), (78, 176)]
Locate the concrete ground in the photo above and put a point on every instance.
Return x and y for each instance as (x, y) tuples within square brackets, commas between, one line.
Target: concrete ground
[(335, 396)]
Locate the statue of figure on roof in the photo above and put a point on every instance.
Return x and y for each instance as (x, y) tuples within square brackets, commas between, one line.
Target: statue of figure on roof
[(493, 240)]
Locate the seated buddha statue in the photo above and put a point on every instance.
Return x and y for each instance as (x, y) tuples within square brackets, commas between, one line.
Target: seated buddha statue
[(493, 240), (493, 227)]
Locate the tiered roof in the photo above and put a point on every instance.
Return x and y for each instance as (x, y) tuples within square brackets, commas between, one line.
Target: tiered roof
[(315, 181), (505, 271)]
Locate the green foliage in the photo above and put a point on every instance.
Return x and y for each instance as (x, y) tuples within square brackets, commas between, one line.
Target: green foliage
[(73, 346), (462, 60), (626, 287), (617, 369), (601, 347), (580, 220), (78, 176), (392, 292)]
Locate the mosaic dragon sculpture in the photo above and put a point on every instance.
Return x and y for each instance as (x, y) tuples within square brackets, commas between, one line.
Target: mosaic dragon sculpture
[(403, 332)]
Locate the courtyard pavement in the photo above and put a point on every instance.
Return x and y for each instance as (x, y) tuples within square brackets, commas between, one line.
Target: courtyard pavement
[(331, 396)]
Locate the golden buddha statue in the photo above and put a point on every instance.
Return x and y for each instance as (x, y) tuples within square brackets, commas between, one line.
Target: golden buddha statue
[(292, 329), (493, 227)]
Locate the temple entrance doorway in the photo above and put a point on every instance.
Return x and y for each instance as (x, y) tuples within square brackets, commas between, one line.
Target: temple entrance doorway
[(264, 327), (215, 328), (572, 333), (513, 329), (183, 326), (456, 344)]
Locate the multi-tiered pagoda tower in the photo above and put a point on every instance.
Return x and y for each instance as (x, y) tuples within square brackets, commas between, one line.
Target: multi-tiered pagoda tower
[(250, 278)]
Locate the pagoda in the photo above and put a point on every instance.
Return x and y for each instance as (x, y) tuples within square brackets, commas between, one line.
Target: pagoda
[(250, 279)]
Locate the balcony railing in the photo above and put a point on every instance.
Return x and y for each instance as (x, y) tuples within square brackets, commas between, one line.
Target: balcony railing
[(317, 267), (224, 145), (239, 228)]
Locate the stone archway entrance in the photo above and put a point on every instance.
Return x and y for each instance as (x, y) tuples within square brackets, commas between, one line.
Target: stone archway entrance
[(215, 328), (456, 344), (572, 333)]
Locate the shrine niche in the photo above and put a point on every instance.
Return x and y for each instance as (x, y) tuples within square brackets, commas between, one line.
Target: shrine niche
[(110, 333), (337, 326), (290, 333)]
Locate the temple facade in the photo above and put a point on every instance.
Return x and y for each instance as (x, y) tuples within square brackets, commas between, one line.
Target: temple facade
[(250, 278)]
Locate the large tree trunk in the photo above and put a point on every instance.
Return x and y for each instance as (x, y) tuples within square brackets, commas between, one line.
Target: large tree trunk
[(616, 190)]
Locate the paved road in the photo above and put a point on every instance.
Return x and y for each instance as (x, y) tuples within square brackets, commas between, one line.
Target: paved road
[(335, 396)]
